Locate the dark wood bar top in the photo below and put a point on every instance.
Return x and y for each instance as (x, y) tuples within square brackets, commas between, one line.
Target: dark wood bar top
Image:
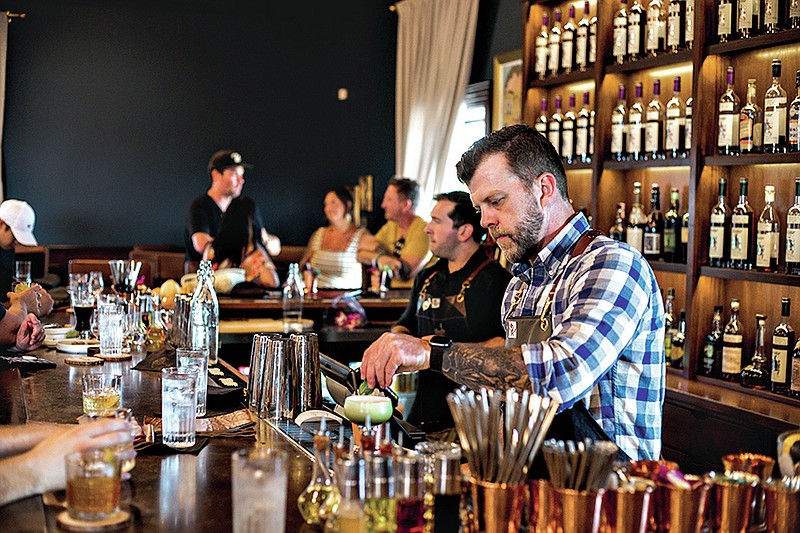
[(395, 299)]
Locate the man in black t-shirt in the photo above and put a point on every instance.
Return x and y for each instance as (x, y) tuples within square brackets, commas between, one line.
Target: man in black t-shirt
[(458, 297), (226, 170)]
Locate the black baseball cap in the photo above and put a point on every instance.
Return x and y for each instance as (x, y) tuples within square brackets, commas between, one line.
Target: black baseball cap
[(226, 159)]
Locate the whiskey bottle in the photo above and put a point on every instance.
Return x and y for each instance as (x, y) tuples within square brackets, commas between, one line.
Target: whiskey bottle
[(726, 20), (670, 325), (617, 231), (672, 228), (618, 127), (542, 122), (782, 342), (720, 241), (554, 45), (568, 43), (794, 116), (732, 346), (636, 125), (619, 47), (542, 50), (582, 40), (751, 121), (636, 31), (656, 28), (554, 127), (794, 383), (687, 143), (678, 342), (773, 19), (654, 230), (793, 233), (676, 22), (591, 132), (637, 220), (676, 123), (568, 133), (711, 362), (592, 38), (768, 234), (794, 14), (749, 15), (689, 27), (684, 246), (756, 375), (728, 138), (775, 113), (654, 129), (742, 231), (582, 131)]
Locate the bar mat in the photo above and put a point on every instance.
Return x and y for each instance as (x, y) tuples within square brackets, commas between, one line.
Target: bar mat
[(157, 361), (159, 448)]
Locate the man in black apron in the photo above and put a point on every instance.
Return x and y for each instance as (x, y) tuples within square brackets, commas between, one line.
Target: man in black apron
[(596, 303), (458, 297)]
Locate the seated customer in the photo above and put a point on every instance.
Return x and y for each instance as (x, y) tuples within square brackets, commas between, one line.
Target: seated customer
[(19, 327), (234, 245), (332, 249)]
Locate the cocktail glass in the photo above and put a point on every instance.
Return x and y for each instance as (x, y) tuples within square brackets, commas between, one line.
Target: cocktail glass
[(364, 411), (101, 393)]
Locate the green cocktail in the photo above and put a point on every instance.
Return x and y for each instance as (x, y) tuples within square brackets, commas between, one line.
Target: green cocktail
[(357, 407)]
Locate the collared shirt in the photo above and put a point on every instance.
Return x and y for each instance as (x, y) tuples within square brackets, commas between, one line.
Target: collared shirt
[(607, 346)]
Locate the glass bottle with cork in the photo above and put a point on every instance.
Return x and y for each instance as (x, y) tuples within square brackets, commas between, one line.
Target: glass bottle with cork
[(320, 499), (768, 234), (654, 230), (793, 233), (783, 340), (732, 346), (756, 375), (637, 220), (742, 231), (678, 343), (711, 361)]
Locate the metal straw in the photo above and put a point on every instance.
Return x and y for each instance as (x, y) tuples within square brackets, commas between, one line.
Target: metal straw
[(582, 466)]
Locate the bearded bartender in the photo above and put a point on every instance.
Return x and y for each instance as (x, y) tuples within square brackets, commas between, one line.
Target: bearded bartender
[(583, 313), (459, 298)]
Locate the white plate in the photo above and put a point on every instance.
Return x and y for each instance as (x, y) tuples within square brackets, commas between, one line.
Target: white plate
[(57, 330), (76, 345)]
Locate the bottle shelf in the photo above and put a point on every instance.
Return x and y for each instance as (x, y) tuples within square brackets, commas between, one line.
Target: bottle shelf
[(661, 60), (754, 392), (775, 278), (755, 43), (752, 159), (664, 266), (611, 164), (577, 166), (563, 79)]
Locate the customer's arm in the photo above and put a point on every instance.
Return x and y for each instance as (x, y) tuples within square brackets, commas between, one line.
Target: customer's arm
[(11, 319)]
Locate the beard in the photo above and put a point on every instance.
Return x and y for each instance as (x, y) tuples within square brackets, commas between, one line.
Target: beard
[(524, 240)]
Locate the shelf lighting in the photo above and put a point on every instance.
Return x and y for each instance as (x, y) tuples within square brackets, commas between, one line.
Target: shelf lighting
[(673, 70)]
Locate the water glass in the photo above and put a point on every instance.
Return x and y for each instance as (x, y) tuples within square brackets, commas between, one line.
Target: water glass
[(198, 359), (22, 275), (178, 406), (110, 321), (259, 482), (101, 393), (93, 484)]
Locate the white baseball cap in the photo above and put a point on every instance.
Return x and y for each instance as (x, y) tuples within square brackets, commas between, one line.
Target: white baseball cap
[(19, 216)]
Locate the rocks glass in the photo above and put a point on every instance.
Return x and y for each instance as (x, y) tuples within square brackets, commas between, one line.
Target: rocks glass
[(178, 406)]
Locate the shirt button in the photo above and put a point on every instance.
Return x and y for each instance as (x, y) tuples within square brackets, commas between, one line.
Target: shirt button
[(552, 272)]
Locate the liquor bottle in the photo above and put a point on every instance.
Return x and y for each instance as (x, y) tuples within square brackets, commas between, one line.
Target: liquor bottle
[(768, 234), (676, 22), (582, 131), (719, 244), (620, 44), (678, 342), (775, 113), (349, 515), (782, 342), (728, 138), (637, 17), (592, 39), (684, 245), (654, 231), (793, 233), (542, 122), (654, 129), (687, 134), (794, 116), (672, 228), (726, 20), (732, 346), (617, 231), (582, 40), (204, 312), (568, 133), (773, 19), (554, 127), (637, 220), (711, 362), (591, 132), (618, 128), (636, 125), (794, 14), (554, 45), (751, 122), (676, 123), (320, 498), (656, 28), (410, 493), (689, 27), (293, 296), (742, 231), (749, 15), (568, 42), (756, 375), (670, 325), (542, 51), (794, 383)]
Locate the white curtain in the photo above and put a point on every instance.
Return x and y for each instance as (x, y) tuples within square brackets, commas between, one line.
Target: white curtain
[(3, 52), (435, 40)]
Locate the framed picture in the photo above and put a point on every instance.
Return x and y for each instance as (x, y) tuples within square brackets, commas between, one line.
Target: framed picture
[(507, 102)]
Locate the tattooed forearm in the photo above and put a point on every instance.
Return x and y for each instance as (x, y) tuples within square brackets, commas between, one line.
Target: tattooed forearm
[(478, 366)]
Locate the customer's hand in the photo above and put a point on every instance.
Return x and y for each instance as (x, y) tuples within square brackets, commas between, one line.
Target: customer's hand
[(31, 334), (393, 353), (34, 300)]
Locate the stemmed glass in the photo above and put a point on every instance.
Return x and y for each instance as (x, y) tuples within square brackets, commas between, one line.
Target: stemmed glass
[(96, 282), (83, 299)]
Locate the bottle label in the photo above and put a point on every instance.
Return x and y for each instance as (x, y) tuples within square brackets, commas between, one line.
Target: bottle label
[(728, 128), (775, 240), (652, 136), (770, 12), (634, 237), (780, 359), (566, 54), (617, 138), (749, 133), (635, 137), (739, 239), (541, 57), (673, 136), (554, 54), (794, 8), (652, 243), (593, 44), (745, 14), (794, 127), (795, 384), (725, 13), (582, 138), (716, 245), (688, 142), (634, 25), (689, 21), (764, 244), (774, 119), (568, 141), (541, 127), (554, 136), (670, 240), (653, 31), (731, 355), (708, 358), (674, 25), (673, 112), (620, 41), (793, 245), (581, 44), (684, 235), (726, 107)]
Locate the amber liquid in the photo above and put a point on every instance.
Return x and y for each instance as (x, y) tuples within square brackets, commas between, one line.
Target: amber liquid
[(93, 497)]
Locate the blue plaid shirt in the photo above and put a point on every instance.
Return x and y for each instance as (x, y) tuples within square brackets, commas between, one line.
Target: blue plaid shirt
[(607, 346)]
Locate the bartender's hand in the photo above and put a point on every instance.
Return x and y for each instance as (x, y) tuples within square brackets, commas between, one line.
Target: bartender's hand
[(31, 334), (393, 353)]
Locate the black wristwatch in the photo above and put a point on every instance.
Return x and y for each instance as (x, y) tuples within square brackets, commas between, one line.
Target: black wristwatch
[(438, 345)]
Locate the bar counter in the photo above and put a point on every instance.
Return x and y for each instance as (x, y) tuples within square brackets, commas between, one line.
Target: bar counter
[(170, 492)]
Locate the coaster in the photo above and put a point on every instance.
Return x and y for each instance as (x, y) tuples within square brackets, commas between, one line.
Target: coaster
[(110, 523), (83, 360), (124, 356)]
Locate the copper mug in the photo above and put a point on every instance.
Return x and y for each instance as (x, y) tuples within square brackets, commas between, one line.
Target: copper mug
[(578, 511), (733, 501), (782, 503), (628, 506), (752, 463), (497, 506)]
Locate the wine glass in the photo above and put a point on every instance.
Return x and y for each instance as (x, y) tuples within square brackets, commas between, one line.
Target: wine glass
[(96, 282)]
